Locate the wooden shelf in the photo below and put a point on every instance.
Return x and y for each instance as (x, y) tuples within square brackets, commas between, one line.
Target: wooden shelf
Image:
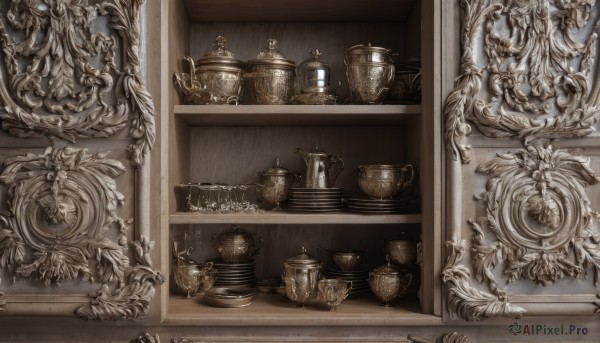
[(298, 11), (274, 310), (293, 218), (296, 115)]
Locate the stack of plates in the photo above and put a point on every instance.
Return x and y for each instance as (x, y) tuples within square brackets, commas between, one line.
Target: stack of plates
[(359, 279), (234, 274), (381, 206), (316, 199)]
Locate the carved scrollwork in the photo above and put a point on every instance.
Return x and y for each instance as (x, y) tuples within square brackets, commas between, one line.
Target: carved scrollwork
[(66, 80), (537, 64), (537, 207), (134, 297), (465, 301)]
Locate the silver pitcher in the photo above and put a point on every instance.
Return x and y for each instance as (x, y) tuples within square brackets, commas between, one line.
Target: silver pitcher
[(318, 164)]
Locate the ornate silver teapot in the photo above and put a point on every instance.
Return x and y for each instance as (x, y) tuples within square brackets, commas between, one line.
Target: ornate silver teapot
[(318, 164), (215, 79)]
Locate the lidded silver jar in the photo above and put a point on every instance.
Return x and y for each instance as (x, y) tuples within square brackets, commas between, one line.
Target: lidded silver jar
[(275, 183), (314, 76), (216, 78), (271, 78), (389, 283), (301, 277), (370, 73)]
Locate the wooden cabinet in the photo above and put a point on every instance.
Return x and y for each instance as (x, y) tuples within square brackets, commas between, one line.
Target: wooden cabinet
[(229, 144)]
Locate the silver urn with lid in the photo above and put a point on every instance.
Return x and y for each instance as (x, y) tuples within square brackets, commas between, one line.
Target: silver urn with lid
[(301, 277), (216, 78), (271, 78), (314, 76), (370, 73)]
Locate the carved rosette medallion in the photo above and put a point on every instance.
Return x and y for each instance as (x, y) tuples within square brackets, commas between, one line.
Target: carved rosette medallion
[(537, 208), (64, 77), (62, 206), (526, 71)]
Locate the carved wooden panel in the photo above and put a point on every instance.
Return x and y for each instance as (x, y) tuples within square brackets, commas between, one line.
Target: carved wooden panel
[(523, 229), (527, 70), (74, 236), (67, 75)]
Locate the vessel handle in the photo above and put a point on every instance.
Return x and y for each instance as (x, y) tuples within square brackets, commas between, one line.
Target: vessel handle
[(402, 185), (334, 160), (297, 180), (256, 247)]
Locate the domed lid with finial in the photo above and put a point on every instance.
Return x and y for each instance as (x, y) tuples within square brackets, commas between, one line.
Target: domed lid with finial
[(272, 57), (219, 58)]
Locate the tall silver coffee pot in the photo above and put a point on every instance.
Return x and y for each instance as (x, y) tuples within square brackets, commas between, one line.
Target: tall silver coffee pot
[(318, 164)]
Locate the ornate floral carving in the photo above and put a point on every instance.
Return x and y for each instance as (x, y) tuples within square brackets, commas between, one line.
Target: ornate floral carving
[(537, 63), (467, 302), (454, 337), (146, 338), (537, 207), (61, 206), (63, 79)]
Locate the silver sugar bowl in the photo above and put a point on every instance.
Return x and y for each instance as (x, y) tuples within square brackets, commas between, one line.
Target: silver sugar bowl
[(370, 73), (389, 283), (301, 277), (271, 78), (314, 76), (275, 183), (236, 245), (216, 78)]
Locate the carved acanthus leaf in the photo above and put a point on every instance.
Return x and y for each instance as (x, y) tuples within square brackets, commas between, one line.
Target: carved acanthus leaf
[(537, 61), (467, 302), (65, 80), (132, 299)]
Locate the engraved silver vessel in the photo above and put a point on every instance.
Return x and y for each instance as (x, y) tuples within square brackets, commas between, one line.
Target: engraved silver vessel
[(271, 78), (370, 73)]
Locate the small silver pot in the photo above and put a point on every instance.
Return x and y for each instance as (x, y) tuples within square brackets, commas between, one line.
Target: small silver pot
[(236, 245), (402, 251)]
